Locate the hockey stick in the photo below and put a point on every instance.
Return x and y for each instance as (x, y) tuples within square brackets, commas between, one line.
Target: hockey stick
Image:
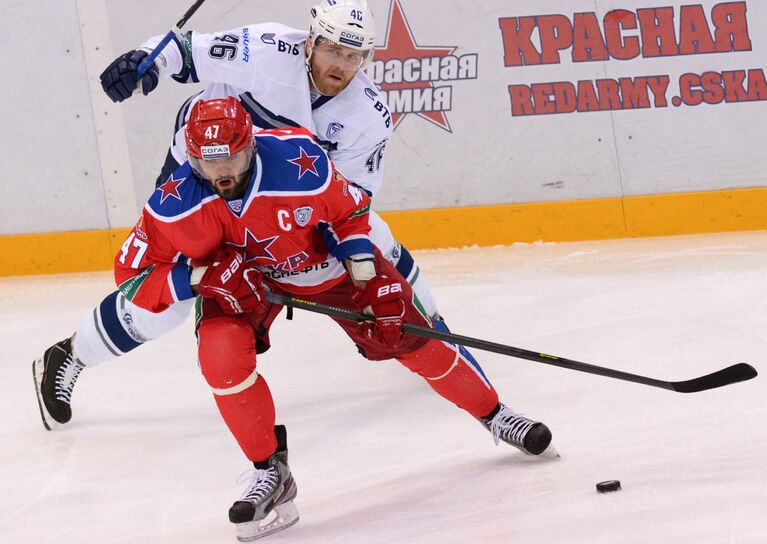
[(726, 376), (149, 59)]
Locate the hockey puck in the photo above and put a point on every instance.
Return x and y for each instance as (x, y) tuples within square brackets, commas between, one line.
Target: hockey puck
[(609, 486)]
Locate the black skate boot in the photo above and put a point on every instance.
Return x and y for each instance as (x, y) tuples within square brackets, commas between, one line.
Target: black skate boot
[(531, 437), (271, 490), (55, 376)]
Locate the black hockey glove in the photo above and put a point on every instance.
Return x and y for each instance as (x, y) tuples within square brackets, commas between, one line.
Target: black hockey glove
[(120, 79)]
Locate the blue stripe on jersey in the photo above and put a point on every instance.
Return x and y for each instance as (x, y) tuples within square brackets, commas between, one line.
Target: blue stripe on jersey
[(113, 326), (440, 325), (346, 249), (328, 236), (261, 116), (405, 264), (179, 276), (321, 101)]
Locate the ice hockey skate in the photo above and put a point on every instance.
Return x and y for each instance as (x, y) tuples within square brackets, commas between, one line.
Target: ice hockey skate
[(530, 437), (55, 375), (266, 506)]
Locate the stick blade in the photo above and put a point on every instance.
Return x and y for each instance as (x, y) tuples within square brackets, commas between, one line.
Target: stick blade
[(732, 374)]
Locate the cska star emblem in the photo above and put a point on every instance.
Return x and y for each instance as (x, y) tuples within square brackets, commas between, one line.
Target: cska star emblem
[(417, 79), (305, 163), (255, 248), (170, 188)]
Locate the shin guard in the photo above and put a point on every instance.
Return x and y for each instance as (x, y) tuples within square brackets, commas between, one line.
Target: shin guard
[(453, 376), (227, 352)]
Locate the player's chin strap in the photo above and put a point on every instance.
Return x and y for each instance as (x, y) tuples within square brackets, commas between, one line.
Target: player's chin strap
[(308, 64)]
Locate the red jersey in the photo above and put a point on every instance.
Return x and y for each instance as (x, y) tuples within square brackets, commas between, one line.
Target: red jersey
[(298, 221)]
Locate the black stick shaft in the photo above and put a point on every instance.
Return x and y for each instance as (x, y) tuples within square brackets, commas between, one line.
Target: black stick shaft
[(189, 13), (149, 59), (732, 374)]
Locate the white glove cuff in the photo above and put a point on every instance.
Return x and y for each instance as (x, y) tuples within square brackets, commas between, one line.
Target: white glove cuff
[(196, 276), (363, 267)]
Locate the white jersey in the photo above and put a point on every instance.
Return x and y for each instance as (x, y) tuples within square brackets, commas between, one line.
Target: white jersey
[(264, 65)]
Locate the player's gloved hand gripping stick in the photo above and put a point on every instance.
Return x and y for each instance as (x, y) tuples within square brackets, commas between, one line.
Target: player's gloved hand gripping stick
[(236, 285), (384, 296), (149, 59), (135, 71)]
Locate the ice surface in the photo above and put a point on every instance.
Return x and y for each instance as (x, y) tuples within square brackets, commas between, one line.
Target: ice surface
[(380, 458)]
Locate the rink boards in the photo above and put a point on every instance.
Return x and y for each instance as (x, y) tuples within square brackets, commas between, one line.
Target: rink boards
[(570, 121), (598, 219)]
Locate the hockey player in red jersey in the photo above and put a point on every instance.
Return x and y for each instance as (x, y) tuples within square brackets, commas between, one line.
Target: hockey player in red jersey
[(284, 77), (249, 213)]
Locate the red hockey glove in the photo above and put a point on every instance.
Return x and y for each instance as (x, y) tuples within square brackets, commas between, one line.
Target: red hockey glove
[(385, 296), (236, 286)]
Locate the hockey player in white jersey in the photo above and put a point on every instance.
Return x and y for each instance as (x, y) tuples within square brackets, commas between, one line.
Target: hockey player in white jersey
[(285, 77), (282, 76)]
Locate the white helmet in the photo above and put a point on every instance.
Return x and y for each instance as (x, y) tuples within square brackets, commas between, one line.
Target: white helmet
[(346, 22)]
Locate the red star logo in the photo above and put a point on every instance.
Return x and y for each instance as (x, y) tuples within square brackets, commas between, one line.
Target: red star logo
[(400, 44), (255, 248), (305, 163), (170, 188)]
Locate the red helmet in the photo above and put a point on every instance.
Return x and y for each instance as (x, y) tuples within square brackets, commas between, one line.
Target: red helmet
[(218, 128)]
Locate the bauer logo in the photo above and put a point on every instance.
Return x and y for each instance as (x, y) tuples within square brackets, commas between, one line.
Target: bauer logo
[(246, 44), (211, 152), (417, 79)]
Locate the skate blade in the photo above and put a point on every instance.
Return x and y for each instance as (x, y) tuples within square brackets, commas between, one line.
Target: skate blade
[(550, 453), (37, 373), (283, 516)]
